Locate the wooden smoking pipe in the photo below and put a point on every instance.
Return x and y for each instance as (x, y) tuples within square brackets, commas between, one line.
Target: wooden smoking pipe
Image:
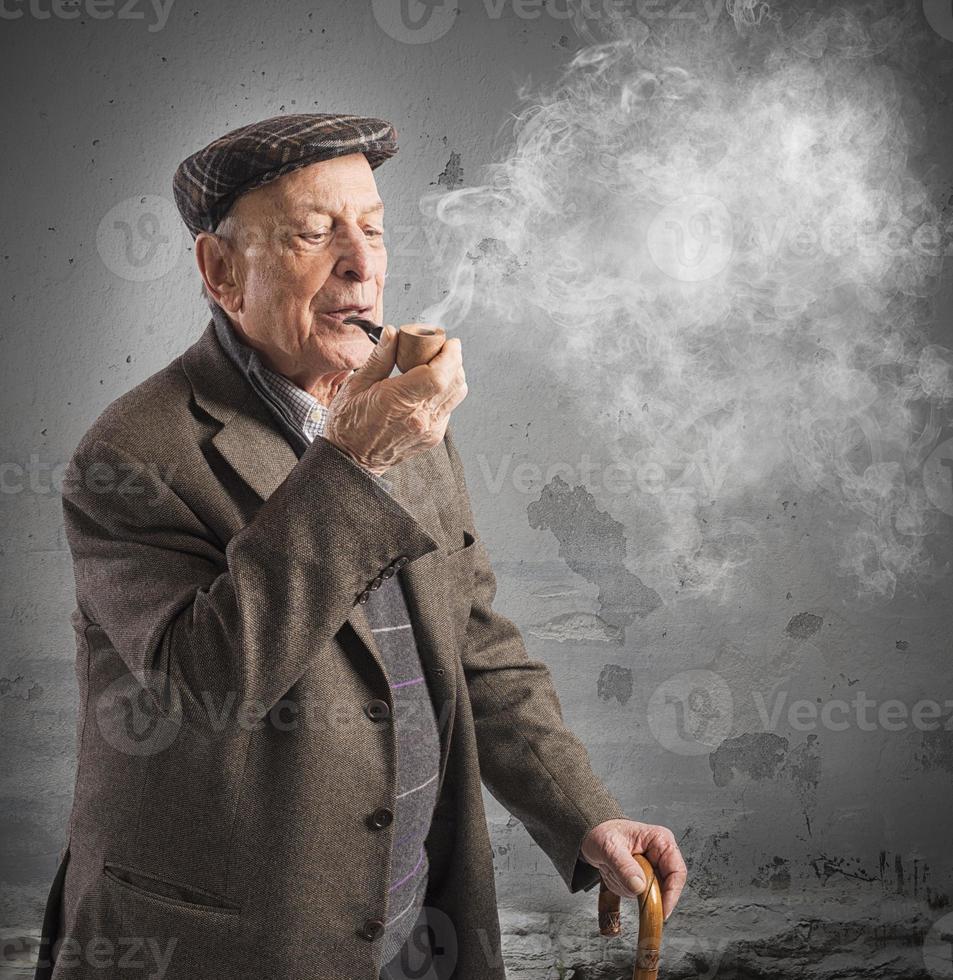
[(650, 921), (417, 343)]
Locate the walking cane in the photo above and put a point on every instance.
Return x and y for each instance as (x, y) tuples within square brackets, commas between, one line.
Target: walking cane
[(650, 921)]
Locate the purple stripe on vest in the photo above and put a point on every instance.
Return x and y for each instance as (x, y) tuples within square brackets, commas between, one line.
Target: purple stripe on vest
[(413, 680), (410, 875)]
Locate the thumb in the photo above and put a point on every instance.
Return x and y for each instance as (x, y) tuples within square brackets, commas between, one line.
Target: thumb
[(632, 875), (379, 363)]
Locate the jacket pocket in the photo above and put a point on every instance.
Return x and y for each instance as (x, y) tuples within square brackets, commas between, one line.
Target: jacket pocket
[(166, 892)]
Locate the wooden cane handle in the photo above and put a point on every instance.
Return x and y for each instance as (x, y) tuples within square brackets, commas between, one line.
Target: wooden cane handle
[(650, 921), (417, 343)]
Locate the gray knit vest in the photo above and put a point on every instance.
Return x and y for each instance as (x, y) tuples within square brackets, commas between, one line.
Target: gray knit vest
[(417, 735)]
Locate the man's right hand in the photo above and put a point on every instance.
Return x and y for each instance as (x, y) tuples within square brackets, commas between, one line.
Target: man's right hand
[(380, 421)]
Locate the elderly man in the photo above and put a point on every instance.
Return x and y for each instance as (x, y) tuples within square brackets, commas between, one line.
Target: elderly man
[(292, 679)]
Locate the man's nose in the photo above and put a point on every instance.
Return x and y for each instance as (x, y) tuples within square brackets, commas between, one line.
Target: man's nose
[(356, 259)]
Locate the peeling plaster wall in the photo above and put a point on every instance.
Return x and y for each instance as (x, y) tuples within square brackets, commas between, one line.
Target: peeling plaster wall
[(816, 848)]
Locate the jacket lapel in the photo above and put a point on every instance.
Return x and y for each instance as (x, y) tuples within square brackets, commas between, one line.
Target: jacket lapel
[(254, 448)]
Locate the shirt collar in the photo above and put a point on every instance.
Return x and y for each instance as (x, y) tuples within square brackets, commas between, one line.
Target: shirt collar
[(307, 413)]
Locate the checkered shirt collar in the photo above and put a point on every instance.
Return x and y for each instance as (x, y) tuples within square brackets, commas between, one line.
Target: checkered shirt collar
[(307, 413)]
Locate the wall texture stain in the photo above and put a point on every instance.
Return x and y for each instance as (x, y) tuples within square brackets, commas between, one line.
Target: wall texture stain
[(578, 626), (936, 747), (775, 875), (803, 625), (18, 687), (757, 756), (826, 867), (496, 254), (593, 545), (615, 682), (452, 174), (714, 869)]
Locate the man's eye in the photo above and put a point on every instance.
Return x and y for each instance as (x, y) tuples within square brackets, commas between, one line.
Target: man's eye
[(374, 232), (315, 236)]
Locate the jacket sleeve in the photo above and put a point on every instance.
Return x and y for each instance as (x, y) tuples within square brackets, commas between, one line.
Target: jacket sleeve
[(529, 760), (242, 620)]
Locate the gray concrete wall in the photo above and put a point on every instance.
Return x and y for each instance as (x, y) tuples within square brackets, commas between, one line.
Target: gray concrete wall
[(818, 838)]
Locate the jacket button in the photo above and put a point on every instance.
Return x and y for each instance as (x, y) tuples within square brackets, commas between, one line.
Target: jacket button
[(377, 710), (376, 584), (363, 597), (401, 561), (387, 572), (381, 818), (372, 928)]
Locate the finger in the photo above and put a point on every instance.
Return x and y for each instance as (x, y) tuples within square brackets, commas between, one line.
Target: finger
[(624, 868), (429, 381), (672, 885), (634, 880), (623, 887), (668, 861), (379, 364), (448, 360), (447, 402), (451, 351), (459, 395), (628, 870), (438, 417), (419, 384)]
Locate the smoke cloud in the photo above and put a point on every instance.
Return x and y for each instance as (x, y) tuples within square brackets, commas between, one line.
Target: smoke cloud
[(728, 242)]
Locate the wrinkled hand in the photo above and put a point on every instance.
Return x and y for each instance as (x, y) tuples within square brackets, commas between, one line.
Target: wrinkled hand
[(610, 846), (380, 421)]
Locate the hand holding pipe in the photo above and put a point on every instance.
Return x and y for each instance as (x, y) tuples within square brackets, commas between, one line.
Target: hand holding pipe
[(417, 343), (650, 921)]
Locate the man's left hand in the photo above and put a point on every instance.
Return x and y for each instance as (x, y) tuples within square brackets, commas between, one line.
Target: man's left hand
[(610, 846)]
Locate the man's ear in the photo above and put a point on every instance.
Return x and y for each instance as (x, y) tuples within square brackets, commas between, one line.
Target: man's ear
[(218, 267)]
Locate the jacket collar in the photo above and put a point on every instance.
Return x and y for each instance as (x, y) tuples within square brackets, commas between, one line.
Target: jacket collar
[(251, 439)]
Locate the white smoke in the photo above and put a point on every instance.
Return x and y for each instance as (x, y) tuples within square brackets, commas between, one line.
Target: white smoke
[(724, 238)]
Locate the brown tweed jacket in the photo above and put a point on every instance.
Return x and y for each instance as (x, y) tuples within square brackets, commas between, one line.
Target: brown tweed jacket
[(233, 746)]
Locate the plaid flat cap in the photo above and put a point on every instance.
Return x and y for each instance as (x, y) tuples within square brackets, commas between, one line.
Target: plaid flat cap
[(207, 183)]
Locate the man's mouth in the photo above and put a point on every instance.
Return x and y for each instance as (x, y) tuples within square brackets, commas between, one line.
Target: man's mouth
[(343, 312)]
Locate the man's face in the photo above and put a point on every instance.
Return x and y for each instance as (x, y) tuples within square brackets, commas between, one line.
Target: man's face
[(311, 252)]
